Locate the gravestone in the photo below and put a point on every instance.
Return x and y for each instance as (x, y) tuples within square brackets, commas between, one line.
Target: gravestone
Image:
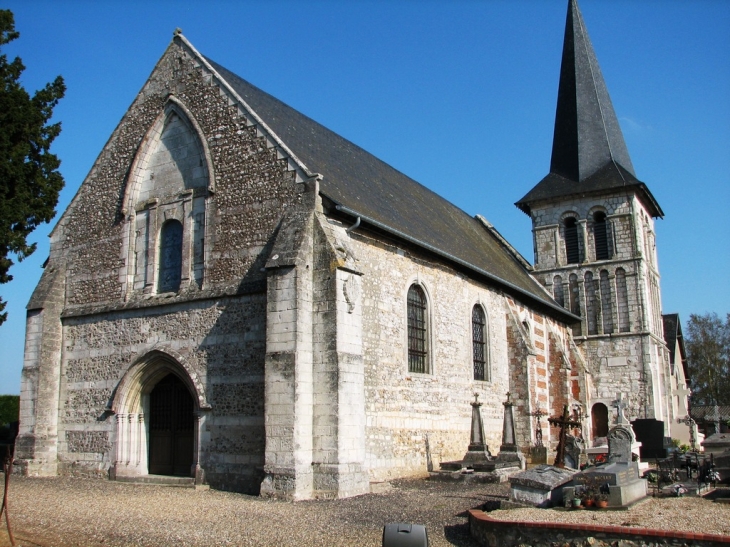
[(541, 486), (573, 450), (619, 445), (650, 433), (478, 464), (620, 476), (509, 454), (718, 446), (538, 455)]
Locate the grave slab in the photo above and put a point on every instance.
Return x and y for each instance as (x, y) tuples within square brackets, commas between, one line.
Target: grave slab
[(541, 486)]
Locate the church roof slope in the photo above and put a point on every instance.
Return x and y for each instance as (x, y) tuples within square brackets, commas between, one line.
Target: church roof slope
[(589, 152), (361, 185)]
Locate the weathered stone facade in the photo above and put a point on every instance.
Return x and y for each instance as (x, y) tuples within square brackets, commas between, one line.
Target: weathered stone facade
[(617, 296)]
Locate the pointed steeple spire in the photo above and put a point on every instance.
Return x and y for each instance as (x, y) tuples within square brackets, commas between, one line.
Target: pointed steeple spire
[(587, 135), (589, 151)]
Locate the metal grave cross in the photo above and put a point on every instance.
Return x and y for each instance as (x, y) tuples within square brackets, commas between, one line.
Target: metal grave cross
[(564, 422)]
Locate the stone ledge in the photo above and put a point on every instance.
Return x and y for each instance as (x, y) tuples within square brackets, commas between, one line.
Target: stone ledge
[(493, 532)]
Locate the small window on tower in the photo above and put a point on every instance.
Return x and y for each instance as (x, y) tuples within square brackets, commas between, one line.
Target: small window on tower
[(600, 236)]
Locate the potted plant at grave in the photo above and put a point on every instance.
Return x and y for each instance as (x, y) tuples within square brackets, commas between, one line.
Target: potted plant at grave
[(588, 497), (601, 500)]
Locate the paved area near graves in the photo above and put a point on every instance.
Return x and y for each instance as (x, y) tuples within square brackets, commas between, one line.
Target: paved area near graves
[(61, 512)]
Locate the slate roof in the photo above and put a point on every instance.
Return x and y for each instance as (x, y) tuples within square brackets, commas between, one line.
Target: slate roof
[(362, 185), (589, 152), (710, 413)]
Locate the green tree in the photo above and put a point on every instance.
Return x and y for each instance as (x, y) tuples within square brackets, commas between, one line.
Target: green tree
[(29, 177), (9, 409), (707, 341)]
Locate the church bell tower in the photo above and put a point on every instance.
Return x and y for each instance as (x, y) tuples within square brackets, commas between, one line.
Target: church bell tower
[(594, 241)]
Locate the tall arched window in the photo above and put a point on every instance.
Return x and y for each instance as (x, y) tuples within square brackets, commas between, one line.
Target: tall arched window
[(572, 251), (479, 343), (170, 262), (600, 236), (622, 301), (606, 305), (591, 307), (417, 330)]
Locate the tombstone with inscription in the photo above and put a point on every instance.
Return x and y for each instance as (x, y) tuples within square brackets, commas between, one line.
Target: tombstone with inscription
[(620, 476)]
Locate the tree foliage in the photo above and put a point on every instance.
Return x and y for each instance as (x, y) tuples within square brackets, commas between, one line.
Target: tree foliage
[(29, 178), (707, 341), (9, 409)]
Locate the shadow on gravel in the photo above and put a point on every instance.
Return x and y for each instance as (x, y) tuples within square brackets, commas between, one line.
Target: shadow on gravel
[(458, 534)]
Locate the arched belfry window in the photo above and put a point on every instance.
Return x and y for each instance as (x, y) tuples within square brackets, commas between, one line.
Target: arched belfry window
[(480, 348), (418, 341), (572, 250), (622, 300), (558, 292), (606, 303), (170, 260), (574, 295), (591, 303), (600, 236)]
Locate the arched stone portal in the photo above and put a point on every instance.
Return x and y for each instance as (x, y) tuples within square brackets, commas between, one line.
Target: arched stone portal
[(159, 406)]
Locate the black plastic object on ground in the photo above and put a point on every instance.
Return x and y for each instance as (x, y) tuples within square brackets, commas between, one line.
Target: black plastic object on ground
[(405, 535)]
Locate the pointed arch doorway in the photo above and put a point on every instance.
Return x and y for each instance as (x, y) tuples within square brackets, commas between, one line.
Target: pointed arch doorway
[(171, 428), (160, 409)]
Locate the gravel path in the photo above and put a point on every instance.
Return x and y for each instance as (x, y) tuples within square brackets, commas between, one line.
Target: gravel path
[(61, 512)]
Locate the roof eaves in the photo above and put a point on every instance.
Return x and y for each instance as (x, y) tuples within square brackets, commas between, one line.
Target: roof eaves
[(554, 307)]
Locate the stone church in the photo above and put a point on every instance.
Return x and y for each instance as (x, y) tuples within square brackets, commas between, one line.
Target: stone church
[(240, 296)]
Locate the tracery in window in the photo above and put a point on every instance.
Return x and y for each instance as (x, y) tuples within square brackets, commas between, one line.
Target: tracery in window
[(479, 343), (418, 341), (170, 258)]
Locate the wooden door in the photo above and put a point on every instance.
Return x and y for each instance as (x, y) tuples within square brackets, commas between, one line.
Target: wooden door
[(171, 423)]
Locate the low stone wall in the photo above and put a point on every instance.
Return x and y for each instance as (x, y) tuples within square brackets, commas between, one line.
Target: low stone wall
[(500, 533)]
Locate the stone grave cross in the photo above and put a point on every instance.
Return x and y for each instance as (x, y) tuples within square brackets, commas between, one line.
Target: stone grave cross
[(538, 414), (564, 422), (620, 405), (682, 394)]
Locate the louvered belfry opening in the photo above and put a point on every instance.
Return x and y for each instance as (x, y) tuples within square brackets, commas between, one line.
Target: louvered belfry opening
[(417, 330), (572, 252), (171, 428), (600, 236), (478, 328)]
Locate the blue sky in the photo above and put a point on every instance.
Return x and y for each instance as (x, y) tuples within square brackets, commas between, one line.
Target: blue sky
[(459, 95)]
